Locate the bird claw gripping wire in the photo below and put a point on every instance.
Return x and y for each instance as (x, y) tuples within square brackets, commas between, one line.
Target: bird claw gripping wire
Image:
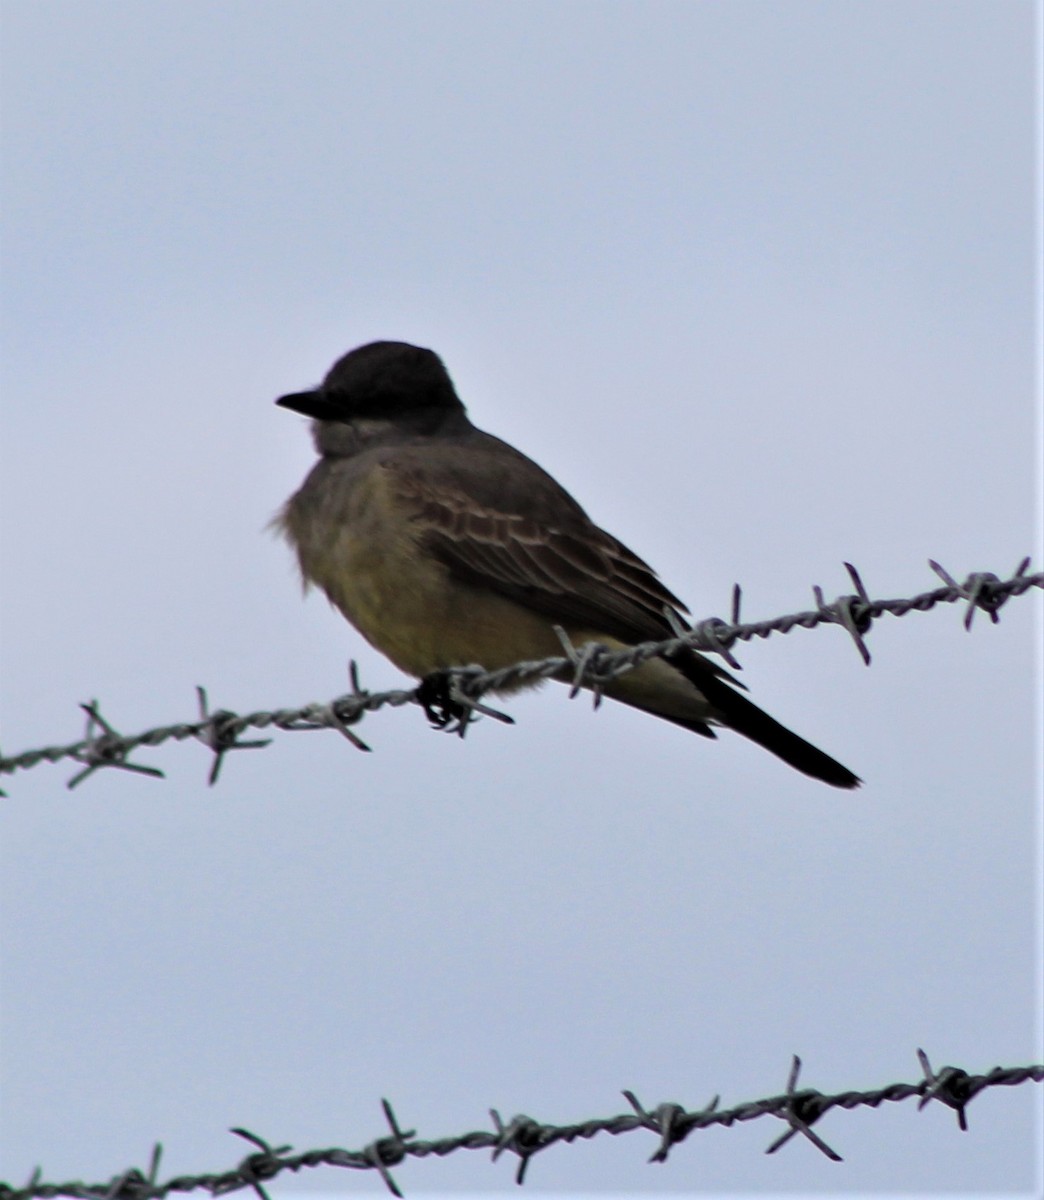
[(220, 732), (802, 1110), (108, 750), (447, 705), (950, 1086)]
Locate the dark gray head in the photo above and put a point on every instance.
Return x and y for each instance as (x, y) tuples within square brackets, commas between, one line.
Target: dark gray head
[(382, 381)]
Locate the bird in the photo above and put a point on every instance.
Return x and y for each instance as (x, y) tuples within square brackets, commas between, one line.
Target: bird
[(445, 546)]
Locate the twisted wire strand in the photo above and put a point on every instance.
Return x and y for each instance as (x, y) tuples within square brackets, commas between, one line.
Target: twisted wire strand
[(524, 1137), (591, 666)]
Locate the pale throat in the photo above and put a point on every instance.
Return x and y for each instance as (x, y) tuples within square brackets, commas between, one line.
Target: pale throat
[(341, 439)]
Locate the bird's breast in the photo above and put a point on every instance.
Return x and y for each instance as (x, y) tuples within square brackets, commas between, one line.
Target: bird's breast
[(361, 542)]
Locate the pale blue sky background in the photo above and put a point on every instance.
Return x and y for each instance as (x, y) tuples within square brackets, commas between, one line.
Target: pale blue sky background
[(756, 282)]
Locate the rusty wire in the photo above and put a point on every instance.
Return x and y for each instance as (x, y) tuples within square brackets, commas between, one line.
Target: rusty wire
[(591, 666), (524, 1137)]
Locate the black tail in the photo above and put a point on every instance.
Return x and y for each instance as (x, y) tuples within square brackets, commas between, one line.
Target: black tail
[(738, 713)]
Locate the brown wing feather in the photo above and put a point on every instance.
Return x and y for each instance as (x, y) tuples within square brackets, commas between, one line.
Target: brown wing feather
[(497, 519)]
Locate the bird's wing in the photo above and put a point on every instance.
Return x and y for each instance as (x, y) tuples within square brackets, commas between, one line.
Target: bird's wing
[(499, 521)]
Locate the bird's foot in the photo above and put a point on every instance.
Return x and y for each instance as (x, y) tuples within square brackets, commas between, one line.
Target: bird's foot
[(446, 705)]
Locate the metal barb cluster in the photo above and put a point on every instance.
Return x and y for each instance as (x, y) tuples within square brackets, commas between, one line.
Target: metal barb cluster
[(524, 1137), (459, 701)]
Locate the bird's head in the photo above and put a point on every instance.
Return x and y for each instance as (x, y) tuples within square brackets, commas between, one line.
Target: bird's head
[(385, 381)]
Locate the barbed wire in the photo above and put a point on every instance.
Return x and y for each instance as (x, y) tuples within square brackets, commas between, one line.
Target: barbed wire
[(524, 1137), (455, 702)]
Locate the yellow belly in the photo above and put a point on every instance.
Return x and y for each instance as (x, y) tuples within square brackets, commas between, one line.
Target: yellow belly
[(365, 556)]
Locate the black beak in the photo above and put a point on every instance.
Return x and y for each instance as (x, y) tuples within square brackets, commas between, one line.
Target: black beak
[(309, 404)]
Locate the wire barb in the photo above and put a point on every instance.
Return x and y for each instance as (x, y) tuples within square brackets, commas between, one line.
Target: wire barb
[(852, 613), (389, 1151), (671, 1122), (982, 589), (586, 662), (801, 1111), (265, 1164), (522, 1136), (220, 732), (951, 1086), (718, 636), (108, 750)]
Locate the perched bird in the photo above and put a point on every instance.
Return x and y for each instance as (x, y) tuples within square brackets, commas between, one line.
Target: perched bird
[(445, 546)]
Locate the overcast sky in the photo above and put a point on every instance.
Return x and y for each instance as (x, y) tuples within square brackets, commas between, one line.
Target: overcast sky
[(755, 281)]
